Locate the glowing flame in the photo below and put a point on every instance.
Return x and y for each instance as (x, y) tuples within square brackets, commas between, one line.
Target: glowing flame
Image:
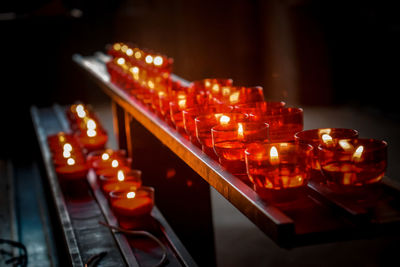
[(124, 48), (130, 195), (345, 145), (114, 163), (150, 84), (207, 83), (121, 61), (129, 52), (91, 124), (71, 161), (234, 98), (158, 61), (327, 139), (80, 110), (117, 46), (67, 147), (138, 54), (91, 132), (66, 154), (226, 91), (215, 88), (240, 131), (120, 176), (273, 155), (134, 70), (358, 153), (149, 59), (61, 138), (182, 103), (224, 120), (105, 156), (324, 131)]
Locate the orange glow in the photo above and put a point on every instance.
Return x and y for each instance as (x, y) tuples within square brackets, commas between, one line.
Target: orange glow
[(91, 124), (114, 163), (130, 195), (66, 154), (67, 147), (327, 139), (358, 153), (129, 52), (226, 91), (158, 61), (105, 156), (234, 98), (149, 59), (273, 156), (240, 131), (117, 46), (80, 110), (71, 161), (124, 48), (121, 61), (224, 120), (150, 84), (182, 103), (345, 145), (215, 88), (120, 176), (138, 54), (91, 132)]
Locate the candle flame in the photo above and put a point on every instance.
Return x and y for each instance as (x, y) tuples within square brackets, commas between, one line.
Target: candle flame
[(226, 91), (149, 59), (273, 155), (234, 98), (345, 145), (215, 88), (91, 132), (138, 54), (114, 163), (129, 52), (121, 61), (105, 156), (124, 48), (327, 139), (358, 153), (70, 161), (207, 83), (224, 120), (150, 84), (158, 61), (91, 124), (120, 176), (240, 131), (67, 147), (66, 154), (324, 131), (130, 195), (182, 103), (80, 110), (117, 46)]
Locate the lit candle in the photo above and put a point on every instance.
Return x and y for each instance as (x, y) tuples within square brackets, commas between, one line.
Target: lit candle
[(353, 163), (278, 170), (123, 180), (91, 137), (101, 159), (229, 143), (129, 206), (111, 167)]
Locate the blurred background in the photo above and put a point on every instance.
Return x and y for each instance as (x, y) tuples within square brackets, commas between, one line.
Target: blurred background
[(337, 59)]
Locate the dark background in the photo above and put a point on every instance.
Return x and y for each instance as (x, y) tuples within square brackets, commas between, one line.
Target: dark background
[(304, 52)]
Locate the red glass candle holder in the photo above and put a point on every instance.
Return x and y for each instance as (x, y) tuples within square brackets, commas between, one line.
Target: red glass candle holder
[(100, 159), (325, 137), (132, 207), (204, 123), (229, 142), (261, 107), (283, 123), (123, 180), (176, 108), (72, 170), (212, 85), (92, 141), (353, 163), (190, 114), (278, 170)]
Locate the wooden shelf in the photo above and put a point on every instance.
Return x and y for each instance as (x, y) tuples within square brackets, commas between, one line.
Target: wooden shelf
[(79, 214), (314, 218)]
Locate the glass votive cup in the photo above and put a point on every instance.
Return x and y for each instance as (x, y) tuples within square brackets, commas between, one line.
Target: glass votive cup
[(283, 123), (73, 170), (212, 85), (176, 107), (242, 94), (229, 143), (122, 180), (279, 171), (190, 114), (204, 123), (131, 207), (326, 137), (102, 158), (260, 107), (92, 141), (351, 164)]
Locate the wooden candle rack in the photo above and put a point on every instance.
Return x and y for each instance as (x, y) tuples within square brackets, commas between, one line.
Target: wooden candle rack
[(317, 217)]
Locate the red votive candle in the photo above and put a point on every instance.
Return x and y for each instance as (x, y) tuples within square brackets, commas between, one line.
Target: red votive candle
[(72, 170), (123, 180), (204, 123), (283, 123), (176, 108), (278, 170), (326, 137), (353, 163), (132, 206), (212, 87), (229, 142), (242, 94), (190, 114)]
